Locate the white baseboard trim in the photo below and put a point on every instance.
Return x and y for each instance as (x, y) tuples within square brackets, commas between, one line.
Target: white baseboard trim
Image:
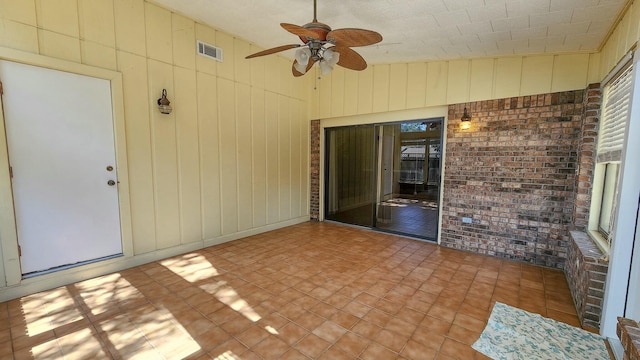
[(85, 272)]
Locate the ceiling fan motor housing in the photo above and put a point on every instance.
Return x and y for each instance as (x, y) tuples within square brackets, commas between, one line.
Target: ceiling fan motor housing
[(319, 28)]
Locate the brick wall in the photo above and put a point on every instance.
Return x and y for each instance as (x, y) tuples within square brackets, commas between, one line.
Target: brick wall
[(586, 272), (586, 156), (586, 268), (513, 173), (629, 333), (314, 206)]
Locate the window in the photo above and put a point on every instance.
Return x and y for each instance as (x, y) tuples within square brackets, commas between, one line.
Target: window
[(613, 120), (610, 184), (412, 156), (413, 127)]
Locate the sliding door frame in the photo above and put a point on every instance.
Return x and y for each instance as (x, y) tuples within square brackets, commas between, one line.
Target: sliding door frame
[(327, 146)]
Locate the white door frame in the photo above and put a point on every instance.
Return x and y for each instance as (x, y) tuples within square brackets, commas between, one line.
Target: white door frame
[(10, 273)]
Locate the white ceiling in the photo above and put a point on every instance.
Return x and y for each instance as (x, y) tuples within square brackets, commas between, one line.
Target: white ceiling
[(421, 30)]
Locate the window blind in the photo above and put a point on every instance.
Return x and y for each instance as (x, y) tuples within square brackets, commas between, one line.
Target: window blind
[(613, 119)]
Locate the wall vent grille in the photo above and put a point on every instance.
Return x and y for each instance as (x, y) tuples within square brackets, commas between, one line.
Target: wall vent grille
[(209, 51)]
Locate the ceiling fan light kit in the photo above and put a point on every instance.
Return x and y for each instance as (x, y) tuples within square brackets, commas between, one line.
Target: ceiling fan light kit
[(325, 46)]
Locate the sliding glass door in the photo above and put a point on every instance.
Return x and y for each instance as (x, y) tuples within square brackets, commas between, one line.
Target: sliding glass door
[(385, 176), (350, 175)]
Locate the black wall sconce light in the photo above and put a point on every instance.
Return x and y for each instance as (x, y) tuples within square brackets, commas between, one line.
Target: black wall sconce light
[(465, 120), (163, 103)]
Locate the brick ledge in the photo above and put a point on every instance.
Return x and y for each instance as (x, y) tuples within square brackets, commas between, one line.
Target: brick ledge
[(629, 333), (587, 247)]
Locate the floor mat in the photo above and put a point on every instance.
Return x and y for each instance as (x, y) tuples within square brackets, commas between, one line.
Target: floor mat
[(513, 333)]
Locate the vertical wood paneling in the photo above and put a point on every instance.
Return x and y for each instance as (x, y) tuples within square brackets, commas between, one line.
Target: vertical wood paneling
[(508, 74), (158, 32), (165, 161), (380, 88), (232, 156), (594, 68), (259, 148), (416, 84), (272, 73), (350, 92), (257, 69), (19, 36), (313, 106), (244, 163), (207, 35), (437, 74), (325, 86), (285, 76), (284, 159), (536, 75), (130, 30), (209, 155), (398, 87), (228, 155), (609, 59), (59, 46), (188, 154), (225, 68), (242, 66), (302, 86), (481, 82), (184, 41), (19, 11), (59, 16), (337, 92), (365, 91), (458, 81), (634, 22), (135, 88), (97, 21), (273, 187), (98, 55), (570, 72), (623, 28), (296, 155)]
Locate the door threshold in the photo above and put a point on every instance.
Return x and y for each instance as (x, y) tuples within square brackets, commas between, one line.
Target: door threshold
[(69, 266), (383, 231)]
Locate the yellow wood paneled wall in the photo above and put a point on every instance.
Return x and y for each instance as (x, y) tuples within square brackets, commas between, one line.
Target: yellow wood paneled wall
[(233, 155), (623, 38), (392, 87)]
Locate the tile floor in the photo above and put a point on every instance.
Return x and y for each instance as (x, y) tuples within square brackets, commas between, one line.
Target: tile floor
[(311, 291), (409, 216)]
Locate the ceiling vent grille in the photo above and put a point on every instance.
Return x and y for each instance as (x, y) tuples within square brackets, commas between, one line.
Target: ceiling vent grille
[(209, 51)]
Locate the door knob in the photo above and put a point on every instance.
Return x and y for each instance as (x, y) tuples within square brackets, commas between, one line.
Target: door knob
[(111, 182)]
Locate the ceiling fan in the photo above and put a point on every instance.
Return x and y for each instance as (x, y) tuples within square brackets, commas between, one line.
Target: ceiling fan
[(325, 46)]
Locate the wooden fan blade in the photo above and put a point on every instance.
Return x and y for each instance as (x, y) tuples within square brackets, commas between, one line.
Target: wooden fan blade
[(299, 31), (297, 73), (273, 50), (354, 37), (349, 58)]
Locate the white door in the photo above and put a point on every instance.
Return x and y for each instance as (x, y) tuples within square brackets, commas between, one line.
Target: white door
[(60, 141)]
